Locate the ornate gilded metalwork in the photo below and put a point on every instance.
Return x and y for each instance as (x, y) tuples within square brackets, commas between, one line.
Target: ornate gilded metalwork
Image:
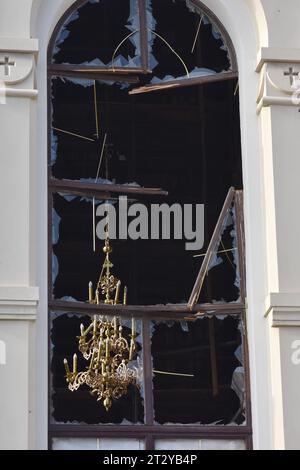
[(104, 345)]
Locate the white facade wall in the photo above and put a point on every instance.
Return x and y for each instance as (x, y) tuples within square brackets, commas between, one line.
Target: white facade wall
[(266, 36)]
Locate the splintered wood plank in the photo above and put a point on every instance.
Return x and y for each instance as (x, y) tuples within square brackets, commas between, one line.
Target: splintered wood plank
[(211, 248), (218, 77), (94, 188)]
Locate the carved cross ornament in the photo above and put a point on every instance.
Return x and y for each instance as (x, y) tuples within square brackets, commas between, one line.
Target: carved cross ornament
[(7, 63), (292, 74), (15, 67), (279, 84)]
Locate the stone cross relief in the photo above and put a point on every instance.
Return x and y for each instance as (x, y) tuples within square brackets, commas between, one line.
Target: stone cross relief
[(7, 63), (292, 74)]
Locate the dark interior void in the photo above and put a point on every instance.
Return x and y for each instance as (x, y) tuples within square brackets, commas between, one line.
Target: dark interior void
[(94, 32), (82, 406), (207, 350), (178, 25), (155, 271), (186, 141)]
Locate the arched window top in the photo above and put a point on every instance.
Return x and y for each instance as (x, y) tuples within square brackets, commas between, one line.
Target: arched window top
[(164, 39)]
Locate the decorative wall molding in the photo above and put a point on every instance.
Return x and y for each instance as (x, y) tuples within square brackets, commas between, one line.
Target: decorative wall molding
[(25, 45), (280, 77), (284, 309), (18, 303), (277, 55), (18, 92), (17, 65)]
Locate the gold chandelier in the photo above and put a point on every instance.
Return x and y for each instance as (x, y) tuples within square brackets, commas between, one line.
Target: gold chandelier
[(103, 344)]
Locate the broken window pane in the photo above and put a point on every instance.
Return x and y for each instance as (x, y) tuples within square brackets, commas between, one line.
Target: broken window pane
[(162, 139), (153, 140), (165, 139), (198, 371), (95, 35), (152, 263), (81, 406), (75, 146), (222, 282), (183, 42), (143, 265)]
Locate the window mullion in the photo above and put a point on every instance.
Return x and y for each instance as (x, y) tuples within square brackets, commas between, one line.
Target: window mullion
[(149, 442), (240, 241), (144, 35), (147, 373)]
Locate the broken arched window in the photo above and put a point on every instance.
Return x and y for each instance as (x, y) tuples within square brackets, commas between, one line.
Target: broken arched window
[(143, 104)]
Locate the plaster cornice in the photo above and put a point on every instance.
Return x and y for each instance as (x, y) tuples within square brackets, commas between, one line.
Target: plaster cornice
[(284, 309), (25, 45), (277, 55), (18, 303)]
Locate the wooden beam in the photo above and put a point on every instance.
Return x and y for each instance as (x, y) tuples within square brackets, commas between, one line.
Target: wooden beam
[(70, 187), (116, 74), (177, 310), (218, 77), (211, 248)]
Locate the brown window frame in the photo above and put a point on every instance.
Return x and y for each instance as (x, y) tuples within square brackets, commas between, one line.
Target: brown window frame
[(150, 431), (190, 311)]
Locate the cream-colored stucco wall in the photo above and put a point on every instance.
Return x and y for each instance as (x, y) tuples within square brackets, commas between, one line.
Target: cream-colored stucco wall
[(267, 41)]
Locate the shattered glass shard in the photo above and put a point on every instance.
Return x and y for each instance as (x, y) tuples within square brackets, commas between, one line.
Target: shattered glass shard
[(205, 382), (91, 35), (182, 42)]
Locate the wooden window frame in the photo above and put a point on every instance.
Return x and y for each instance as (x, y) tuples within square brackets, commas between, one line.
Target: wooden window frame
[(145, 69), (148, 431)]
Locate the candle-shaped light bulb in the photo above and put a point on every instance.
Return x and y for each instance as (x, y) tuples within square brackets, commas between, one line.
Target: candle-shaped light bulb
[(99, 352), (82, 329), (125, 296), (115, 323), (92, 359), (95, 325), (107, 348), (90, 292), (66, 367), (75, 364), (133, 327), (131, 350), (97, 297), (117, 292)]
